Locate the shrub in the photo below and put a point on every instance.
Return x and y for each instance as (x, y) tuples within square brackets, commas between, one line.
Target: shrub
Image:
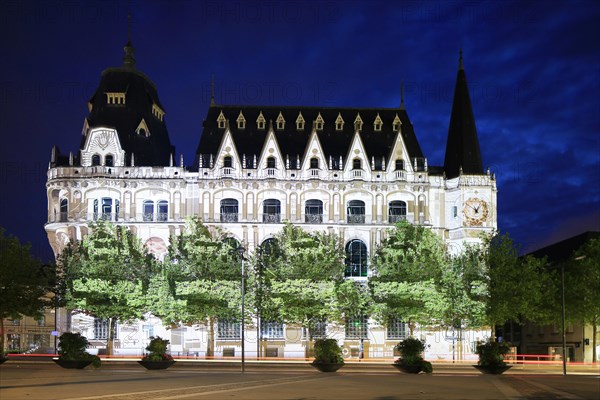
[(411, 351), (491, 353), (157, 349), (71, 346), (327, 351)]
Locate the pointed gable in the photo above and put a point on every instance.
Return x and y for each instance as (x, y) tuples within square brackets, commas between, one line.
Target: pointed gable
[(280, 122), (378, 123), (260, 121), (358, 123), (396, 123), (241, 121), (221, 120), (319, 122), (339, 122)]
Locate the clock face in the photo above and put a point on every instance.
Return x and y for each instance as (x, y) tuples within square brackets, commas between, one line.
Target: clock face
[(475, 211)]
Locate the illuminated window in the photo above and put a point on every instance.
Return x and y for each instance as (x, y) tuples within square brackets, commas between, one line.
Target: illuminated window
[(300, 122), (339, 122), (357, 327), (260, 121), (378, 123), (319, 122), (221, 120)]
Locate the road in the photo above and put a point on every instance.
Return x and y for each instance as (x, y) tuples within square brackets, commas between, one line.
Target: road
[(129, 381)]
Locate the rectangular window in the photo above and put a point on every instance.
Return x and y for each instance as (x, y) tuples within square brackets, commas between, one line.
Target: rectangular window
[(317, 331), (229, 329), (100, 328), (148, 331), (356, 328), (271, 330), (397, 329)]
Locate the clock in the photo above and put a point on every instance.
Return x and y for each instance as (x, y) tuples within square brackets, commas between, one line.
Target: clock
[(476, 211)]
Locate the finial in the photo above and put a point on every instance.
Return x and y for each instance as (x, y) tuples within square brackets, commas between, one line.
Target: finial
[(402, 95), (212, 91), (129, 59), (460, 60)]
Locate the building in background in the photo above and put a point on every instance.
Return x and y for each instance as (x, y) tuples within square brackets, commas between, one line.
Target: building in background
[(351, 171)]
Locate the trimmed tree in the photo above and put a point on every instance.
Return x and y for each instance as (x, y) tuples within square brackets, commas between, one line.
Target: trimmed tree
[(23, 283), (199, 280), (408, 267), (299, 274), (106, 275)]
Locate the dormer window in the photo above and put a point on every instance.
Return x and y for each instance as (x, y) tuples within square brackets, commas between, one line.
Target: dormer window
[(300, 122), (399, 165), (109, 160), (319, 123), (221, 121), (356, 164), (358, 123), (158, 112), (96, 159), (339, 122), (314, 163), (260, 121), (396, 124), (280, 122), (227, 162), (115, 98), (241, 121), (378, 123), (142, 129)]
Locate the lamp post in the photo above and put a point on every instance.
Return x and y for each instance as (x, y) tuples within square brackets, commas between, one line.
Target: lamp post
[(564, 338), (241, 250)]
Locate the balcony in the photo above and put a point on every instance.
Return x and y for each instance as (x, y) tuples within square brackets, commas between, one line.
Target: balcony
[(229, 217), (313, 173), (400, 175), (357, 173), (227, 172), (356, 219), (392, 219), (271, 218), (313, 218)]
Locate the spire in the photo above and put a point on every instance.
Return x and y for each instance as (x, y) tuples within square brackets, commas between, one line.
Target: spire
[(462, 147), (129, 59), (212, 91), (402, 96), (460, 61)]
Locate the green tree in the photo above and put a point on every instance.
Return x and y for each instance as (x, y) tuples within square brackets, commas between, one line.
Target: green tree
[(408, 268), (23, 283), (515, 285), (199, 280), (297, 277), (582, 288), (107, 275)]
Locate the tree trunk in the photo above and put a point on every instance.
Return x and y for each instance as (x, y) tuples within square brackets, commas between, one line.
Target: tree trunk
[(111, 337), (1, 337), (493, 332), (594, 337), (308, 348), (210, 340)]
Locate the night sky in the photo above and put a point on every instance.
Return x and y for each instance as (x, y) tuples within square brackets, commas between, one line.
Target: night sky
[(533, 69)]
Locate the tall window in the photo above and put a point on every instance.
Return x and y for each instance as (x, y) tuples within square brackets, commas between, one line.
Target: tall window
[(271, 211), (227, 162), (313, 212), (96, 159), (356, 258), (64, 209), (397, 329), (314, 163), (357, 327), (356, 164), (318, 330), (399, 165), (396, 212), (271, 329), (229, 329), (148, 210), (163, 210), (356, 212), (108, 160), (271, 166), (229, 210)]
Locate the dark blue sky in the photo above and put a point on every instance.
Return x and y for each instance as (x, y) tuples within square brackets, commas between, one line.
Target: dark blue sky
[(533, 70)]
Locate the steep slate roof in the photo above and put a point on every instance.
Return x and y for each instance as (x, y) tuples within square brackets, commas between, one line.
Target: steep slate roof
[(292, 142), (141, 94), (561, 251), (462, 147)]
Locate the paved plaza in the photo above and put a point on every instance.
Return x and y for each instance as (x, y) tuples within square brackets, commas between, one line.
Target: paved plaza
[(129, 381)]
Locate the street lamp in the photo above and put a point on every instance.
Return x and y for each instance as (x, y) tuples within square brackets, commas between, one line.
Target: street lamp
[(241, 250)]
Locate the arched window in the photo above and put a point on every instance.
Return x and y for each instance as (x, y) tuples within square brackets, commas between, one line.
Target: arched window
[(229, 210), (397, 211), (64, 210), (356, 212), (356, 258), (96, 159), (271, 211), (313, 211), (227, 162), (356, 164), (108, 160), (399, 165), (163, 210), (148, 210), (314, 163)]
